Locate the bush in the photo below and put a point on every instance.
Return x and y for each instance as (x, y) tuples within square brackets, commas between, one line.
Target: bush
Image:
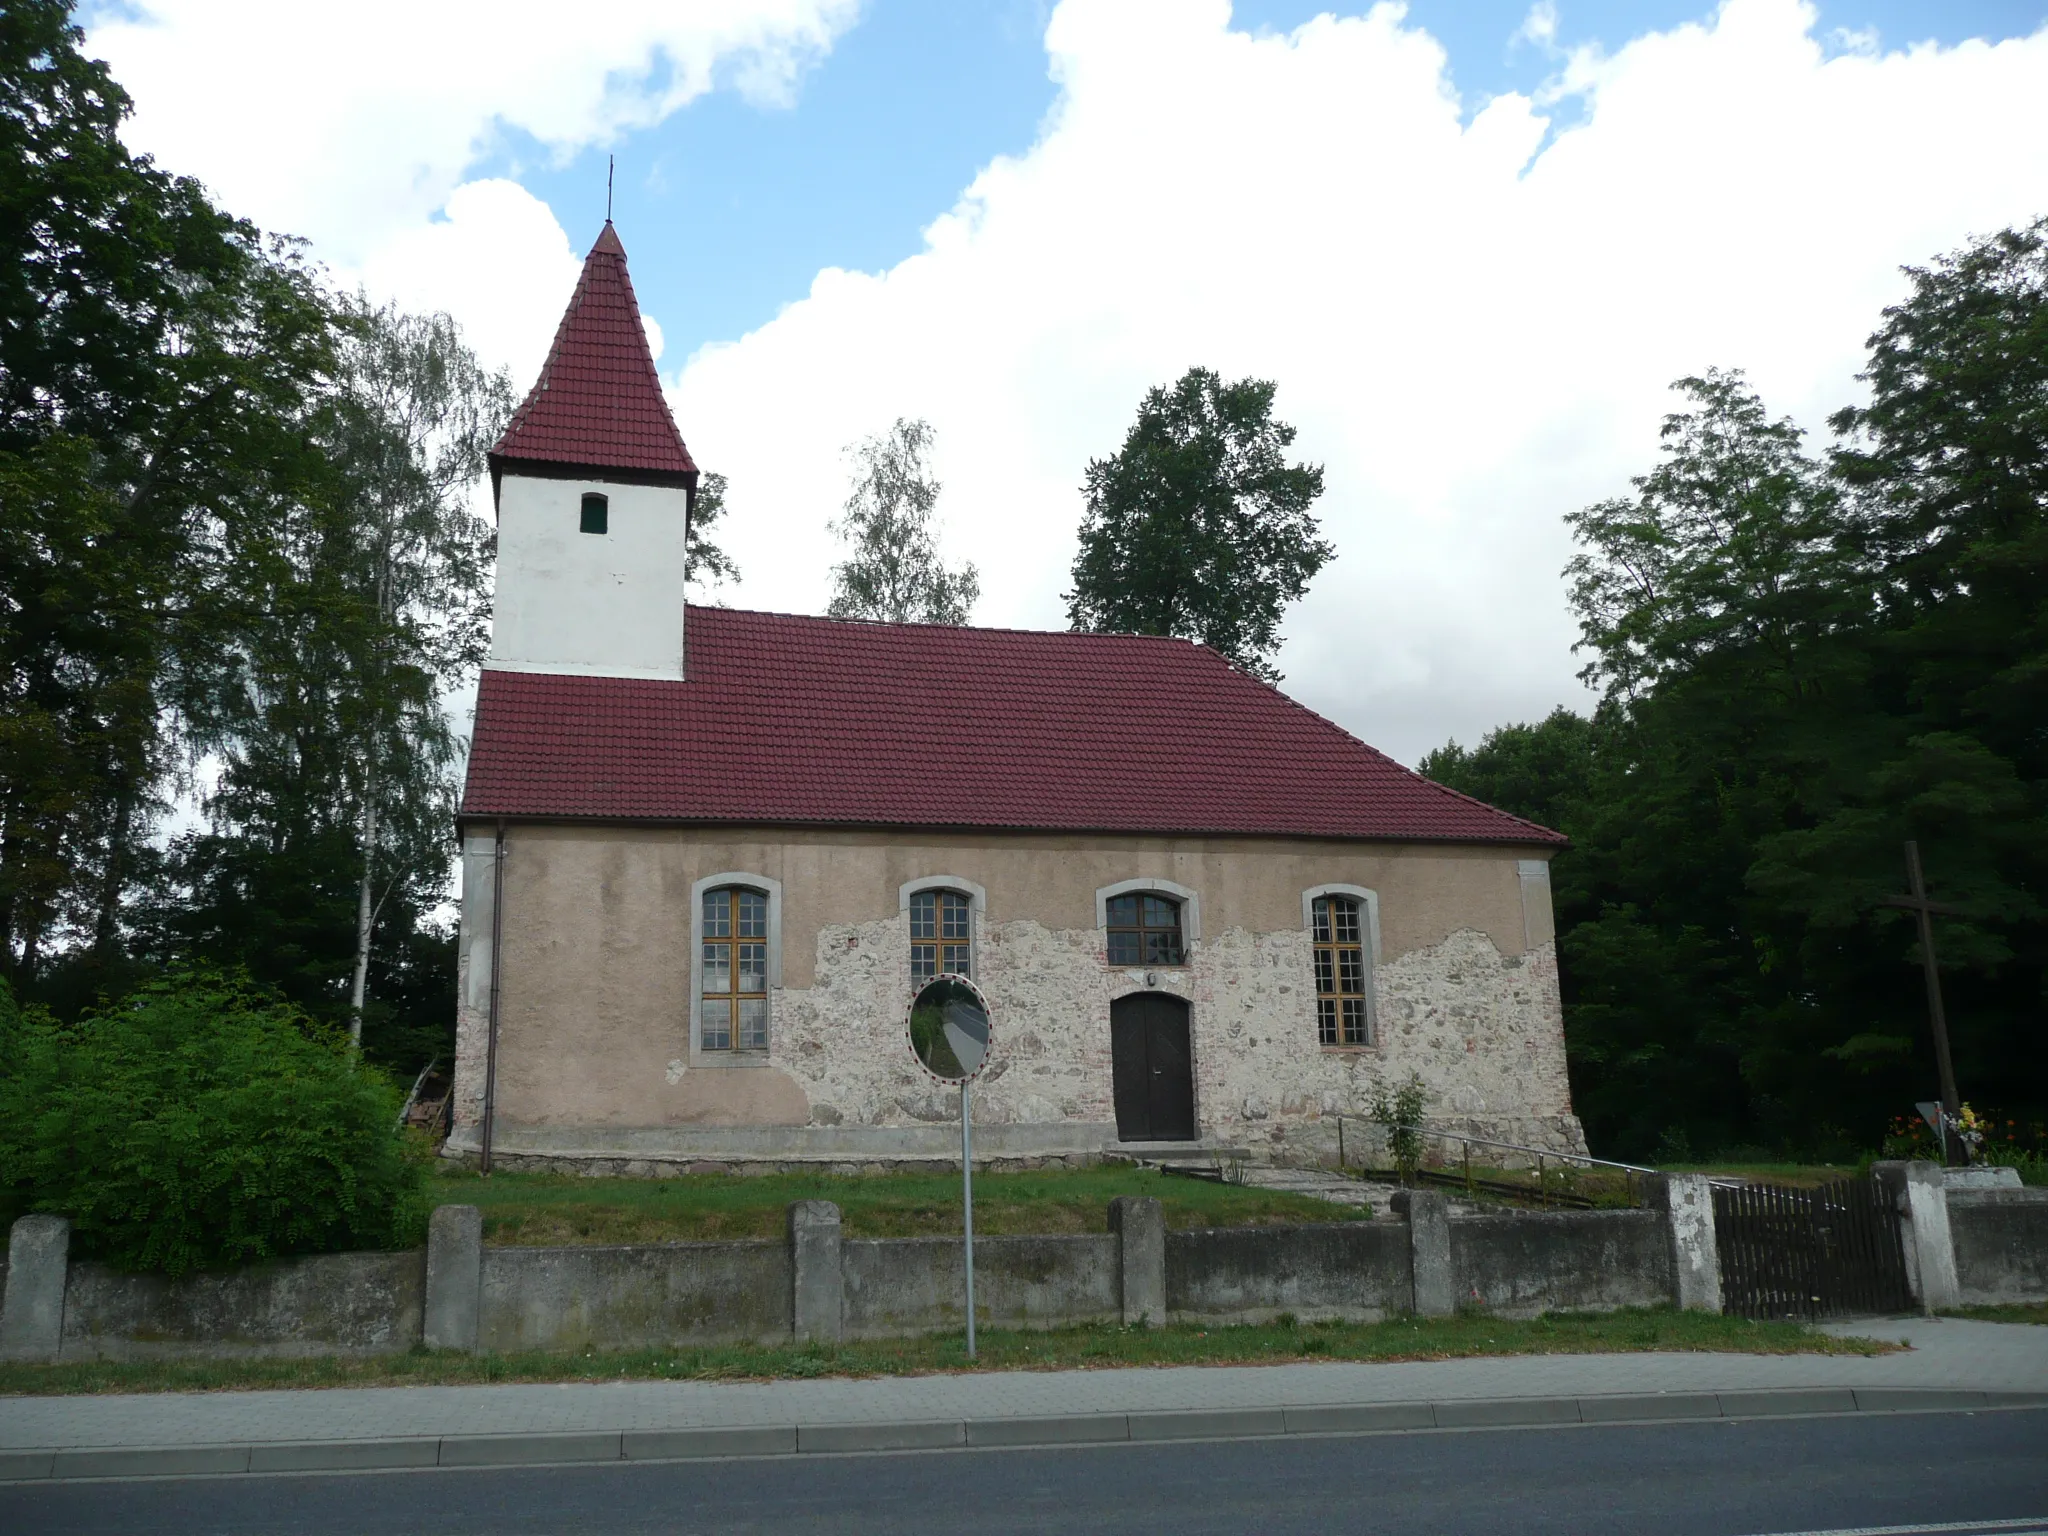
[(198, 1124)]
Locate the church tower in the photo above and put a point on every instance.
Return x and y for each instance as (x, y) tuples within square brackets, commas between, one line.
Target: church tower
[(593, 487)]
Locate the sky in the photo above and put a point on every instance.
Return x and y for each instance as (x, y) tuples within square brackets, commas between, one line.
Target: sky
[(1473, 244)]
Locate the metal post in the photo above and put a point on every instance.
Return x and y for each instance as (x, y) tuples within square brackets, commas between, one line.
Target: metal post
[(1468, 1168), (1340, 1143), (967, 1196)]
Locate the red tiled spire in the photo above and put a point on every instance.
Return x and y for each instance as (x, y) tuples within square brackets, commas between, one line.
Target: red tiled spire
[(598, 406)]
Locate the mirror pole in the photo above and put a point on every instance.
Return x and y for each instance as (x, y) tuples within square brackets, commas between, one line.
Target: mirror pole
[(967, 1196)]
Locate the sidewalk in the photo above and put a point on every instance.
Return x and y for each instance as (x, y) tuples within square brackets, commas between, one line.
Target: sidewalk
[(1953, 1363)]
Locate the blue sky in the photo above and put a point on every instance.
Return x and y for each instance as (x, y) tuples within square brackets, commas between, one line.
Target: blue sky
[(746, 203)]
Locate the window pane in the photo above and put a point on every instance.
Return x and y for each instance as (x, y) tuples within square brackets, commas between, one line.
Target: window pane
[(753, 967), (1354, 1021), (717, 1018), (754, 1025), (1326, 1020), (753, 915), (718, 914), (924, 915), (1345, 911), (1351, 970), (1123, 911), (924, 961), (717, 969), (1162, 948), (1161, 912), (956, 915), (956, 960), (1322, 919), (1324, 974), (1123, 947)]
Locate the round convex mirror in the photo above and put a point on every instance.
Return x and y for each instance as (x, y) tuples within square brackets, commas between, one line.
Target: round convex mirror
[(949, 1028)]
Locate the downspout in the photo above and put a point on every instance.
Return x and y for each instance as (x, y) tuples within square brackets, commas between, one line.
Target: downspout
[(497, 971)]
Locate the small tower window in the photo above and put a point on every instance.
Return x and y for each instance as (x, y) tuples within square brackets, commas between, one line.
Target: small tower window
[(596, 513)]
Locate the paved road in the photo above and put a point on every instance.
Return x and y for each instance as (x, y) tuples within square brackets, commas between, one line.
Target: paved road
[(1725, 1479)]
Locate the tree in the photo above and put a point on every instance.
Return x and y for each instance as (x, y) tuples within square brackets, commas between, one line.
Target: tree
[(357, 609), (893, 571), (1198, 526), (703, 561), (1808, 661), (157, 363)]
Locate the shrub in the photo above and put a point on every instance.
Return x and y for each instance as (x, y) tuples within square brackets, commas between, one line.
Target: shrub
[(197, 1124), (1398, 1109)]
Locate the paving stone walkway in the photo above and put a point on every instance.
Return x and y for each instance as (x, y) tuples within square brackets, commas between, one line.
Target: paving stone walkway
[(1946, 1353)]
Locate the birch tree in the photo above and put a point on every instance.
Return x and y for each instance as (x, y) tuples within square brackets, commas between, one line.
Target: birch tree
[(892, 570)]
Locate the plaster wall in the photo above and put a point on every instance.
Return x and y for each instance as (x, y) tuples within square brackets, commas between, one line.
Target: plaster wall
[(608, 604), (595, 997)]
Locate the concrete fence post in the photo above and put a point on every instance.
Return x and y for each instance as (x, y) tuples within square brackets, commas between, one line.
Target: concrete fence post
[(1687, 1200), (38, 1264), (1139, 1223), (1429, 1250), (1921, 1195), (455, 1277), (818, 1282)]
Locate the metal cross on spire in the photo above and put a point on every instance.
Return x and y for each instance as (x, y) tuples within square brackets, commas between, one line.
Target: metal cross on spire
[(610, 161), (1923, 911)]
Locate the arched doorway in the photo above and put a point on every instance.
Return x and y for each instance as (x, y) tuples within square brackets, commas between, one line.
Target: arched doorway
[(1152, 1063)]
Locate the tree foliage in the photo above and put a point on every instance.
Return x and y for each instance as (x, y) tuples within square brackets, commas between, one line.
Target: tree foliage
[(1808, 659), (704, 563), (892, 571), (1199, 526)]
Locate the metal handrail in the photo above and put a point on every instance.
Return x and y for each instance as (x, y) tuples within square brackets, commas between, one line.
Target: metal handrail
[(1542, 1155)]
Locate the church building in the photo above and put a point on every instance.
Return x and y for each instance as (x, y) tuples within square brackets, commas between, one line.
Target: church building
[(710, 855)]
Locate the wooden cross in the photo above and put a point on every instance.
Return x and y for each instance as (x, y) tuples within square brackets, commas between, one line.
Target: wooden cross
[(1923, 912)]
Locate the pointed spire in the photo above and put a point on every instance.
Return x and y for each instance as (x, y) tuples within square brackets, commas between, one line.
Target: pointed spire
[(597, 408)]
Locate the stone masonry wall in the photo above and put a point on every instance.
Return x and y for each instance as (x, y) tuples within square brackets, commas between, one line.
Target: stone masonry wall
[(1483, 1031)]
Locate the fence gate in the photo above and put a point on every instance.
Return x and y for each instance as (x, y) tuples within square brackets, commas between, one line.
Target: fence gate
[(1829, 1251)]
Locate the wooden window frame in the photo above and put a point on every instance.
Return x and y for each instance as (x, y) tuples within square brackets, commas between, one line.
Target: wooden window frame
[(1186, 898), (696, 1053), (1143, 931), (1366, 948), (947, 942)]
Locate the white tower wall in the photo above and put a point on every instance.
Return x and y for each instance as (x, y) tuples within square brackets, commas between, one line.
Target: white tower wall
[(605, 605)]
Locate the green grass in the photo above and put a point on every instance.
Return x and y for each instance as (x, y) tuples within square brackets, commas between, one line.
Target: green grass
[(2014, 1312), (548, 1210), (1001, 1349)]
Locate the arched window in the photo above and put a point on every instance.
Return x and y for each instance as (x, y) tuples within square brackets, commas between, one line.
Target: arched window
[(1343, 971), (733, 986), (595, 514), (941, 935), (1144, 929)]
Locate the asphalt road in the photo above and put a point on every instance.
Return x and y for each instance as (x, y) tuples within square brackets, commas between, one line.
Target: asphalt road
[(1731, 1478)]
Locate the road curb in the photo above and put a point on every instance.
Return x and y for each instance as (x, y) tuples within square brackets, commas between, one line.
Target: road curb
[(555, 1447)]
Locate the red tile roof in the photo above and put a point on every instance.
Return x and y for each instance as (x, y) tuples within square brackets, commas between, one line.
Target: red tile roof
[(786, 719), (598, 402)]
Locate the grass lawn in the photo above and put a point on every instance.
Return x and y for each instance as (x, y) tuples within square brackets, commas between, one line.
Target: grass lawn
[(2015, 1312), (1000, 1349), (550, 1210)]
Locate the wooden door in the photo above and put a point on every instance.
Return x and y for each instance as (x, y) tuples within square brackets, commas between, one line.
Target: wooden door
[(1152, 1063)]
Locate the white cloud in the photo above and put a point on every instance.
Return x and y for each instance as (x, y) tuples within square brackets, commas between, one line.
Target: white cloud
[(1474, 328), (350, 124)]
